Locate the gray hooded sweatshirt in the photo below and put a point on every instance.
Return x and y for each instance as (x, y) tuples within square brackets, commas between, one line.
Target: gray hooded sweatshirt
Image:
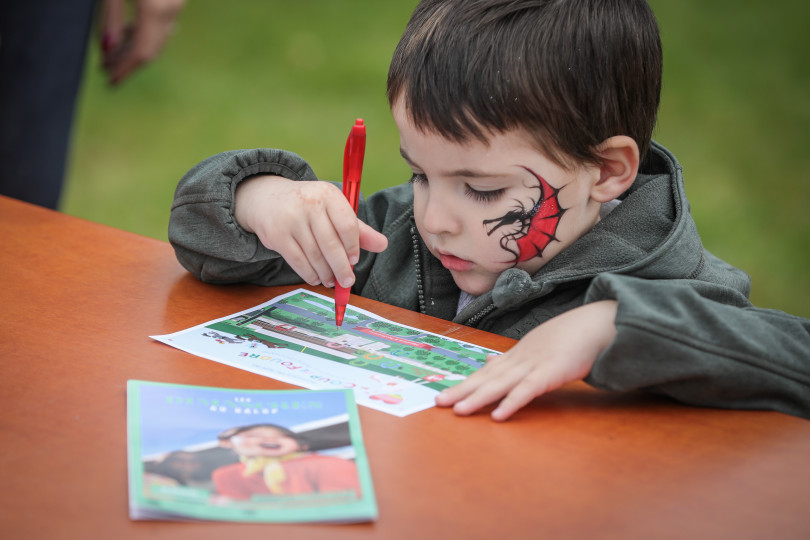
[(686, 328)]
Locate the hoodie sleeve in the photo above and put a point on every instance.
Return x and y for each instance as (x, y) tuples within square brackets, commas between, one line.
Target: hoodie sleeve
[(703, 344), (206, 238)]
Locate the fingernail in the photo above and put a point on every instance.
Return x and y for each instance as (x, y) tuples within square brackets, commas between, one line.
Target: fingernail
[(106, 42), (353, 259)]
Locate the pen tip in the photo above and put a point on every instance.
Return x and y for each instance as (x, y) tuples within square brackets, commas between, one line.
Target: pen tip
[(339, 312)]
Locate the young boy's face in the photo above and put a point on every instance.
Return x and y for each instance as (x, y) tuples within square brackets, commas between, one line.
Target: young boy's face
[(263, 442), (482, 209)]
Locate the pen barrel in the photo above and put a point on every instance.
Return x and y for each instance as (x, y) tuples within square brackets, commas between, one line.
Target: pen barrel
[(352, 170), (350, 190), (354, 153), (342, 294)]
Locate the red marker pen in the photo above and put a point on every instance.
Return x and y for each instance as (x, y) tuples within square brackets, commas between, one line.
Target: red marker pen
[(352, 169)]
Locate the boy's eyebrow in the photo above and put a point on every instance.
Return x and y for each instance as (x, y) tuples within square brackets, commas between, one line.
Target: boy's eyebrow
[(465, 173)]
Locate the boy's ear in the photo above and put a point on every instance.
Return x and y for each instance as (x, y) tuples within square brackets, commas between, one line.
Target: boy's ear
[(620, 162)]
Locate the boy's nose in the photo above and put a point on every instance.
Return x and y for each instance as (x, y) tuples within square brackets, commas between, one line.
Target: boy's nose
[(440, 216)]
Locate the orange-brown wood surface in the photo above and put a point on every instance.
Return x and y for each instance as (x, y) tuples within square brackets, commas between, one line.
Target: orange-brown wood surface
[(79, 301)]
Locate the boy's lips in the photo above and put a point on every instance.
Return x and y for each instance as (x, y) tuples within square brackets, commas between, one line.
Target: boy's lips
[(451, 262)]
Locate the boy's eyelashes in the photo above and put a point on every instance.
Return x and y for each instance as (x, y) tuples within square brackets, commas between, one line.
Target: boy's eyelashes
[(483, 196), (475, 194)]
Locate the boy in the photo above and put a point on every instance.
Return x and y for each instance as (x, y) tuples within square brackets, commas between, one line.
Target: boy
[(538, 209)]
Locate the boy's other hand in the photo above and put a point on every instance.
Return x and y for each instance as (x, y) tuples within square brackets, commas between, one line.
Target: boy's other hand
[(559, 351), (310, 224)]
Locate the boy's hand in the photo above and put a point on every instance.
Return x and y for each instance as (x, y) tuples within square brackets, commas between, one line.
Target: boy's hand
[(310, 224), (561, 350)]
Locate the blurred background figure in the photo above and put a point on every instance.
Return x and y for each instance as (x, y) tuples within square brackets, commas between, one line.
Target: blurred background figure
[(42, 53)]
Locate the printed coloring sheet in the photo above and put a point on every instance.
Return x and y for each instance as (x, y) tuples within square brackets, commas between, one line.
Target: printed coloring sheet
[(293, 338)]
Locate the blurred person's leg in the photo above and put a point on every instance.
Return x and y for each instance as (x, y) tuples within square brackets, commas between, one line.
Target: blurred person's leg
[(42, 53)]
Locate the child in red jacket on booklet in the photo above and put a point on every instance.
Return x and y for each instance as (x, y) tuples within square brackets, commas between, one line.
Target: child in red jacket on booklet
[(274, 461)]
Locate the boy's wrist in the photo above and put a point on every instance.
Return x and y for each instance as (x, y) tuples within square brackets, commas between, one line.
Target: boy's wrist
[(248, 194)]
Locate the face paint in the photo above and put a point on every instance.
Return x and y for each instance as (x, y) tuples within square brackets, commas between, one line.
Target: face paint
[(536, 226)]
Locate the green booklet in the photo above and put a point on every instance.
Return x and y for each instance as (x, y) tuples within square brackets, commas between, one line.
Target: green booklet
[(200, 453)]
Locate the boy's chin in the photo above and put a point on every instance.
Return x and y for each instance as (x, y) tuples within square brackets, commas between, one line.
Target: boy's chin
[(472, 285)]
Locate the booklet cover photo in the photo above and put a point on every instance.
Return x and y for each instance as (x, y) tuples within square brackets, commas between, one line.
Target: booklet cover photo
[(200, 453)]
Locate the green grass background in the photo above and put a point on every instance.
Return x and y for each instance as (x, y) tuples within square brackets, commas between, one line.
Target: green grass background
[(252, 73)]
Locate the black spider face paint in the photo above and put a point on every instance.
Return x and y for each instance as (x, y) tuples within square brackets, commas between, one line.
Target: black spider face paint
[(536, 226)]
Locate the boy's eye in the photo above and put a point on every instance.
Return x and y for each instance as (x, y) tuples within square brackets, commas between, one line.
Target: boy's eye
[(418, 178), (475, 194), (483, 196)]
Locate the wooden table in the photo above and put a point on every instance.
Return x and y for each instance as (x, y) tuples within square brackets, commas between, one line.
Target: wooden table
[(79, 300)]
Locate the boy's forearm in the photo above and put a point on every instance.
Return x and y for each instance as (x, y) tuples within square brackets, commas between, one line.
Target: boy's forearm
[(703, 345)]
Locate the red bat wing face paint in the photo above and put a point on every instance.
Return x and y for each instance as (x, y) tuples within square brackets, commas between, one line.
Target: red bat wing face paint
[(544, 219), (536, 226)]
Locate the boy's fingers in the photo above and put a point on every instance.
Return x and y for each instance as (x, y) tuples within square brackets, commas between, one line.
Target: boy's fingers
[(300, 251), (481, 397), (371, 239), (536, 382), (477, 379), (332, 250), (519, 397), (499, 379), (298, 261), (311, 245), (484, 394), (346, 226), (449, 397)]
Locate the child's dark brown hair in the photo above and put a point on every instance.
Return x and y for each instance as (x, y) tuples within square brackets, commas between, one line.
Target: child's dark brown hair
[(571, 73)]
